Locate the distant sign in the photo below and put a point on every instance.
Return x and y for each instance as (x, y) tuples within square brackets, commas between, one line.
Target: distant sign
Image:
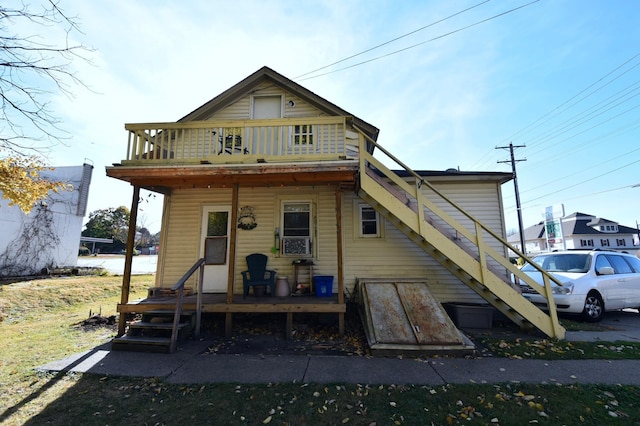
[(553, 226)]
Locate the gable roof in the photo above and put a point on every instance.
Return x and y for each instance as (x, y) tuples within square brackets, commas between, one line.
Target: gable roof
[(583, 224), (266, 74)]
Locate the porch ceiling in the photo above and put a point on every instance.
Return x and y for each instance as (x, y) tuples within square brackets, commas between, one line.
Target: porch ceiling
[(164, 178)]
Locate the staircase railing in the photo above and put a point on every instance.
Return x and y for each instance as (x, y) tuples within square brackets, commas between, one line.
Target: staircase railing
[(179, 287), (476, 239)]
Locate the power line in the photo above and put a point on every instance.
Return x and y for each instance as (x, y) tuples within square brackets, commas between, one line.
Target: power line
[(592, 194), (586, 169), (599, 124), (421, 43), (527, 128), (581, 118), (584, 181), (392, 40)]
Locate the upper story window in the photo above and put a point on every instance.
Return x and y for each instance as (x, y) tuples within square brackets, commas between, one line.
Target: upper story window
[(604, 242), (586, 243), (303, 134), (296, 229), (621, 242), (609, 228), (369, 222)]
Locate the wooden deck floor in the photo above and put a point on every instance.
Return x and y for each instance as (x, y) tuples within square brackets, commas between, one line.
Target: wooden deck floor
[(218, 303)]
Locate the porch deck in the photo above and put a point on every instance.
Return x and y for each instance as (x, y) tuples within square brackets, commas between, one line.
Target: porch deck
[(217, 303)]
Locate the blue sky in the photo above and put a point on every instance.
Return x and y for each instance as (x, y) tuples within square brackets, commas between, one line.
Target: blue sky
[(561, 77)]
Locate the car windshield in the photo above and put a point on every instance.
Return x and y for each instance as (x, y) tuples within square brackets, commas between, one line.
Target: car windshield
[(561, 262)]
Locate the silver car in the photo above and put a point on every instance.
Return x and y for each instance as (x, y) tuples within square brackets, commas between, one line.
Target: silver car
[(593, 282)]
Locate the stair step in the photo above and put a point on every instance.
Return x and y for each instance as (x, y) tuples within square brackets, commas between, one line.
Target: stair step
[(166, 312), (156, 325), (141, 344)]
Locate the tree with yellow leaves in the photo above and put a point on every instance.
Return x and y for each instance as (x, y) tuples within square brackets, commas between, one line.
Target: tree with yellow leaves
[(21, 183)]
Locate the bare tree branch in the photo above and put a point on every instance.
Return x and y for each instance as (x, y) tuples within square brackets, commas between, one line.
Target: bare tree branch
[(30, 71)]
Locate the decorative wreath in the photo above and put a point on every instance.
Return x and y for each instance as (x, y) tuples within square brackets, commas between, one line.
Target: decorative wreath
[(246, 218)]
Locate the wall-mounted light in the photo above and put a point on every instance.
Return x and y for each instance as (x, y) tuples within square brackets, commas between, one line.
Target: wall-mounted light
[(292, 103)]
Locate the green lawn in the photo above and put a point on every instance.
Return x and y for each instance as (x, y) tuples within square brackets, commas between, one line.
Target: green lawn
[(41, 322)]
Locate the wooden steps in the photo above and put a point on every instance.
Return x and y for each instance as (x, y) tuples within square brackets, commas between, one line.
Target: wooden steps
[(152, 333)]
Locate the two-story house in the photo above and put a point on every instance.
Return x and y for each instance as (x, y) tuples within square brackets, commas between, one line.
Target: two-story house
[(270, 167), (580, 231)]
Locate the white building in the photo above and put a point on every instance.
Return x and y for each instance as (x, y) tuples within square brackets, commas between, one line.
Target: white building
[(49, 236), (580, 231)]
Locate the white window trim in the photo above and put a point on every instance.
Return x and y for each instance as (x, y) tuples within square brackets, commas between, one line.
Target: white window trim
[(361, 207), (311, 249), (303, 146), (357, 222)]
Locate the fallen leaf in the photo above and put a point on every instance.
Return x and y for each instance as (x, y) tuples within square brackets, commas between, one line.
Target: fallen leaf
[(267, 420)]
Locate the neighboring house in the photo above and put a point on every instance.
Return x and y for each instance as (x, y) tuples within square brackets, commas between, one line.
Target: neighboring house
[(49, 236), (580, 232), (270, 167)]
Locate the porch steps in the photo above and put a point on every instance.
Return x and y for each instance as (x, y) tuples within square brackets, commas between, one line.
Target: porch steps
[(441, 236), (152, 333)]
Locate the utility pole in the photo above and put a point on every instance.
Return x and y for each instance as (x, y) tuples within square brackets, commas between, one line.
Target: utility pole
[(513, 162)]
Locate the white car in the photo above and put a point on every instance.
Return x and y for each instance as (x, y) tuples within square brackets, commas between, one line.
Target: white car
[(593, 282)]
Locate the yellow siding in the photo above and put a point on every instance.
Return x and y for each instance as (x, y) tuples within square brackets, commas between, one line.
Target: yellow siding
[(241, 109), (266, 204), (395, 256), (183, 229)]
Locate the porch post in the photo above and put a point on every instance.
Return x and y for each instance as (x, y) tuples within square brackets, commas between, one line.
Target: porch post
[(340, 256), (232, 243), (128, 259), (228, 320)]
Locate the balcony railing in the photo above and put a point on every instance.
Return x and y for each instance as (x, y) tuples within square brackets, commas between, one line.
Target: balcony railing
[(240, 141)]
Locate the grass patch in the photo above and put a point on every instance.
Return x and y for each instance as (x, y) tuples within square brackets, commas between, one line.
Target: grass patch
[(40, 323), (559, 349), (106, 400)]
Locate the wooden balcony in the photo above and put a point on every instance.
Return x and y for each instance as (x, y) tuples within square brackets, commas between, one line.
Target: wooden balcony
[(240, 141)]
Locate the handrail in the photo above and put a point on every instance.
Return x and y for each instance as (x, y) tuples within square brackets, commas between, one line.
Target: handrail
[(545, 290), (224, 141), (178, 311)]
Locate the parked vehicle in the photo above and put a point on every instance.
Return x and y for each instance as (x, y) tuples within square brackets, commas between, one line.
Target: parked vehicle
[(593, 282)]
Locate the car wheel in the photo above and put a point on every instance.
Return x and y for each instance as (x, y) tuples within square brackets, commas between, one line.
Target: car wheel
[(593, 308)]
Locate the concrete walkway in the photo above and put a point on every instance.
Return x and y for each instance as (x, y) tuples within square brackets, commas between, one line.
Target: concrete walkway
[(193, 364)]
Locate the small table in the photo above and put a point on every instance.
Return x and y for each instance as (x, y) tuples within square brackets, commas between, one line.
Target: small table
[(298, 267)]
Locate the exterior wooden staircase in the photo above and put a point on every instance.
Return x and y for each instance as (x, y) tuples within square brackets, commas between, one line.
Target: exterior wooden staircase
[(472, 252), (159, 330), (152, 333)]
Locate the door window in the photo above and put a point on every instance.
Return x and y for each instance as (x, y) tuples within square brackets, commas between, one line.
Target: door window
[(215, 245)]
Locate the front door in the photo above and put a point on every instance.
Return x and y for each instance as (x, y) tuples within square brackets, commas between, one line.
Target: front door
[(214, 248)]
